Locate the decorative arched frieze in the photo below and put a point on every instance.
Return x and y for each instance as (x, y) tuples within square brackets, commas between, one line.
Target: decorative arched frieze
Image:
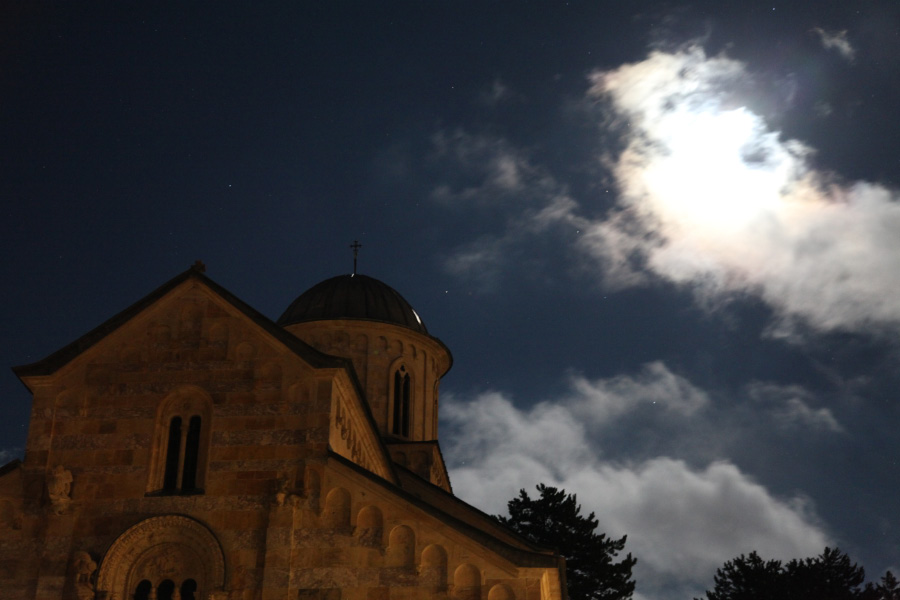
[(369, 526), (401, 551), (433, 568), (159, 549), (337, 509), (501, 591), (467, 582)]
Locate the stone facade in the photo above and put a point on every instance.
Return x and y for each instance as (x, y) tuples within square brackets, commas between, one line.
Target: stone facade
[(189, 448)]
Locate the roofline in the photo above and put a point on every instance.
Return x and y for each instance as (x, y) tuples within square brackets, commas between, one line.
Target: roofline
[(539, 557), (10, 466), (65, 355)]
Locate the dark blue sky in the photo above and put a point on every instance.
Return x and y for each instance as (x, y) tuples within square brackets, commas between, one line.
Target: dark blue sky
[(476, 151)]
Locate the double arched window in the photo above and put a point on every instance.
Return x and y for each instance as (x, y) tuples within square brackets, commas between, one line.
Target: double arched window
[(181, 443), (401, 402), (182, 452)]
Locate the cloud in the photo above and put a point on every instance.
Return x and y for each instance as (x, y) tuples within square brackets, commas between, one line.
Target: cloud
[(493, 169), (836, 40), (8, 454), (682, 521), (789, 407), (715, 201), (497, 93), (710, 199), (521, 201), (602, 400)]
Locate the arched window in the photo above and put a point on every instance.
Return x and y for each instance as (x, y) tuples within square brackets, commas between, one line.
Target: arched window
[(191, 453), (143, 590), (173, 455), (165, 590), (181, 442), (401, 402)]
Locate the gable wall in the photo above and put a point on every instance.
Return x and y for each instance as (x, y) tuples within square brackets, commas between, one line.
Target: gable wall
[(98, 419)]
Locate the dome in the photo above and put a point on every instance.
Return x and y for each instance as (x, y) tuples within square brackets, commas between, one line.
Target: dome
[(352, 297)]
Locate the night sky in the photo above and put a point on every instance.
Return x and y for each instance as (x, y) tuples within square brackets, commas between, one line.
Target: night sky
[(661, 239)]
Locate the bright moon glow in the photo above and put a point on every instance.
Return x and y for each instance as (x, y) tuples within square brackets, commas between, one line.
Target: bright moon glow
[(717, 168)]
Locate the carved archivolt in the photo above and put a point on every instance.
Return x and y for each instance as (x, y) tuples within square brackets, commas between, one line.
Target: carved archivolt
[(166, 547)]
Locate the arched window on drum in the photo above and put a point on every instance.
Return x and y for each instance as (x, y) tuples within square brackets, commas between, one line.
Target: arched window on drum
[(401, 401)]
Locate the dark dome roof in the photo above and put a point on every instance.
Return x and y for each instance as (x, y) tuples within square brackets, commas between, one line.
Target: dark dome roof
[(352, 297)]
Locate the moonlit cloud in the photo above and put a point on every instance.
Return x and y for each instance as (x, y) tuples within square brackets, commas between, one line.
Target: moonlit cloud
[(604, 399), (682, 521), (790, 407), (721, 204), (836, 40), (497, 92), (710, 198), (503, 184), (493, 168)]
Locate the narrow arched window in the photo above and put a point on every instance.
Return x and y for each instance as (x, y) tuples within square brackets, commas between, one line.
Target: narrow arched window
[(405, 399), (191, 453), (142, 592), (173, 455), (188, 589), (402, 402), (165, 590)]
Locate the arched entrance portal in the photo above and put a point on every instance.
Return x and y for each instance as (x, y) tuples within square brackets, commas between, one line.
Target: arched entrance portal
[(163, 558)]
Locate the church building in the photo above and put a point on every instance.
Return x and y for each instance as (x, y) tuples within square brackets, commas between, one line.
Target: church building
[(189, 448)]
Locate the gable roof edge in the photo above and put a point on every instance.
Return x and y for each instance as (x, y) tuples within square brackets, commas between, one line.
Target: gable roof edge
[(66, 354)]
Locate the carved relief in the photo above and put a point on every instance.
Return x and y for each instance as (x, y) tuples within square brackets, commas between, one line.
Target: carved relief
[(284, 495), (59, 489), (83, 568), (348, 436)]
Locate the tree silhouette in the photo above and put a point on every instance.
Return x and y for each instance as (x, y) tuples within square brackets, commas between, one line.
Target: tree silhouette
[(887, 589), (829, 576), (554, 520)]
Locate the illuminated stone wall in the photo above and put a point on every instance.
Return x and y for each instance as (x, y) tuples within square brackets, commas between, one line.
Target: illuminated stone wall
[(278, 484)]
